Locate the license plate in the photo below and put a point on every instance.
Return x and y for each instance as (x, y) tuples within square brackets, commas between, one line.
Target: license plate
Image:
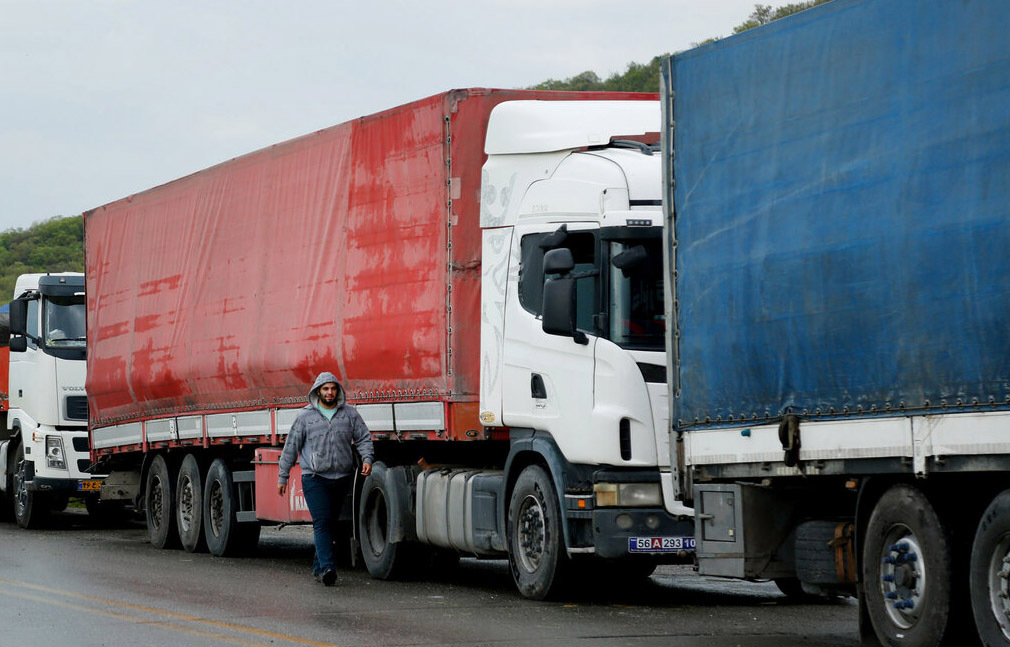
[(89, 486), (659, 544)]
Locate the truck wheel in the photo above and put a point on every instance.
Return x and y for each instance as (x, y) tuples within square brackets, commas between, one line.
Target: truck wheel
[(537, 554), (385, 560), (990, 573), (907, 570), (30, 508), (160, 509), (225, 535), (189, 506)]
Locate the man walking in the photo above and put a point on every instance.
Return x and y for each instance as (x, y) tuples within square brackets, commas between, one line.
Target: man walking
[(321, 439)]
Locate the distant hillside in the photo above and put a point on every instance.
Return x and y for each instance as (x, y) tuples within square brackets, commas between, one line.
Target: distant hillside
[(55, 245)]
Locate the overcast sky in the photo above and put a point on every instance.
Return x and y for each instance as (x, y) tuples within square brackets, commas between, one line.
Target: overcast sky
[(100, 99)]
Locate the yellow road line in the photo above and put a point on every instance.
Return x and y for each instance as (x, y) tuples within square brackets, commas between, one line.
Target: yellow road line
[(175, 616), (121, 616)]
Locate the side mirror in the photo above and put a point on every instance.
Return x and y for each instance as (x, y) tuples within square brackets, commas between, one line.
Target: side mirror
[(559, 309), (18, 344), (19, 317), (630, 260), (556, 238), (559, 261)]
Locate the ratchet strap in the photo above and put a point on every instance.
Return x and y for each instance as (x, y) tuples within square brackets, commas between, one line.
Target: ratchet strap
[(844, 544)]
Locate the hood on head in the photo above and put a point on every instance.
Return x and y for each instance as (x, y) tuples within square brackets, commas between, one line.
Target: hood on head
[(322, 379)]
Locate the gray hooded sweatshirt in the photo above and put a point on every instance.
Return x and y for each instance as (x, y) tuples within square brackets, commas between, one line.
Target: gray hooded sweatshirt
[(323, 446)]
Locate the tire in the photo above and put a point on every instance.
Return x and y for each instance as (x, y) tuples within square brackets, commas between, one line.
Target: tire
[(990, 573), (30, 508), (189, 506), (791, 587), (384, 559), (537, 556), (906, 559), (159, 505), (814, 556), (7, 503), (225, 536)]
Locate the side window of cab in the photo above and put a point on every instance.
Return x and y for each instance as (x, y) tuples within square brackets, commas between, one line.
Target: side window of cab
[(33, 322), (531, 274)]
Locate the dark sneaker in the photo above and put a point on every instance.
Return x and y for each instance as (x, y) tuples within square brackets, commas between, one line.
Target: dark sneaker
[(329, 577)]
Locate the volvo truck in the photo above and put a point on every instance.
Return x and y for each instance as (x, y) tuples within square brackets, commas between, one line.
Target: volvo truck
[(44, 453)]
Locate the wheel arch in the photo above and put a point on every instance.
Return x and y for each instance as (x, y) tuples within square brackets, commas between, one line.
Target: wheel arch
[(11, 449), (528, 448)]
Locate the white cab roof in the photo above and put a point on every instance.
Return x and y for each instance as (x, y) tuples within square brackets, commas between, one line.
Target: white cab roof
[(545, 126)]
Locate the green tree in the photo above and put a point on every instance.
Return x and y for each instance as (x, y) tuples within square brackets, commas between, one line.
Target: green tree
[(581, 82), (54, 245), (644, 77), (764, 14)]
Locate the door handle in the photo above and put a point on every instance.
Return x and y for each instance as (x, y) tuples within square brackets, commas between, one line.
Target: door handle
[(537, 389)]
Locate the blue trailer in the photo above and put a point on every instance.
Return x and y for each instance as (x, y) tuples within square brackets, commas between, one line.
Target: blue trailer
[(838, 252)]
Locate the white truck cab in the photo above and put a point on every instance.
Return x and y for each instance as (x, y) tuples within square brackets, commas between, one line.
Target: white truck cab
[(45, 459), (573, 334)]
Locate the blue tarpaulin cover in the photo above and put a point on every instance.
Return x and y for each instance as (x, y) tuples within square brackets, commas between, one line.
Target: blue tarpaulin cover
[(842, 213)]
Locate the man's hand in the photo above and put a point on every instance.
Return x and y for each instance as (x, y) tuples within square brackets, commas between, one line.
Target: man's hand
[(366, 469), (282, 488)]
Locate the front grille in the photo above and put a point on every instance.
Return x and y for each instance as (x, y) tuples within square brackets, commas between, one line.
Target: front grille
[(83, 464), (77, 407), (80, 443)]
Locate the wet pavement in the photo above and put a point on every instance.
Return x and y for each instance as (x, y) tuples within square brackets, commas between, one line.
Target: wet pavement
[(81, 585)]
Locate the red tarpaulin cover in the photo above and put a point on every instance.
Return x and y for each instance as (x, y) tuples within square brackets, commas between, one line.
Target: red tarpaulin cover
[(233, 287)]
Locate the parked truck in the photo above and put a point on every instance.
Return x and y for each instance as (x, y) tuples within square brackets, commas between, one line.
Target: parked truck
[(44, 451), (415, 253), (836, 193)]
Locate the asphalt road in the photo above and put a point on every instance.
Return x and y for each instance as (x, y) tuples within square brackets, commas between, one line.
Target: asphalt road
[(79, 585)]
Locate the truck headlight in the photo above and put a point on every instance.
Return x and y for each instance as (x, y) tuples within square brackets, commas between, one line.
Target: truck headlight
[(628, 495), (55, 457)]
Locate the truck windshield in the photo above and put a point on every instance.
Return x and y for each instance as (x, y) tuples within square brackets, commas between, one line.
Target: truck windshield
[(637, 317), (63, 322)]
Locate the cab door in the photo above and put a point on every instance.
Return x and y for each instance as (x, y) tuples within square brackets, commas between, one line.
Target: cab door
[(548, 379)]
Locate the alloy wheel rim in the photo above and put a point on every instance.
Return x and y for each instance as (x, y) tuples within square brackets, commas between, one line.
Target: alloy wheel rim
[(531, 533), (186, 505), (999, 591), (216, 505), (156, 503), (20, 489), (902, 576)]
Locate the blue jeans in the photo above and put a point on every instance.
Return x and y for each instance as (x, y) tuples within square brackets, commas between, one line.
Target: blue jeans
[(325, 498)]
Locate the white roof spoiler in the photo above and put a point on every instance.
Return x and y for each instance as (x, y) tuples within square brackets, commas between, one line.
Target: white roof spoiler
[(546, 126)]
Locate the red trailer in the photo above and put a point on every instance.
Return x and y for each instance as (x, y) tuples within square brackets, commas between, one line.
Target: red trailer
[(215, 299)]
